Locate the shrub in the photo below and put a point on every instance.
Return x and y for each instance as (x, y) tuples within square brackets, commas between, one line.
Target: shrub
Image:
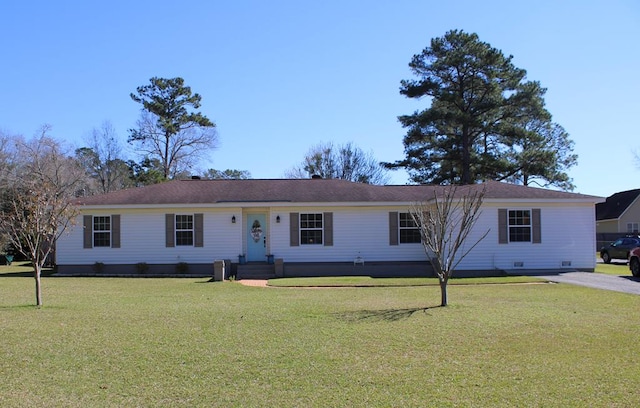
[(98, 267), (142, 267), (182, 267)]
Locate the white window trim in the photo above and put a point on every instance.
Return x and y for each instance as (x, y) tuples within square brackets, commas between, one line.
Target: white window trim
[(300, 228), (192, 229), (530, 225), (95, 231), (400, 228)]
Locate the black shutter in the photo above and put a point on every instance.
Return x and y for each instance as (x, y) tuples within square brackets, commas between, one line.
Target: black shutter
[(503, 233), (535, 223), (393, 228), (87, 234), (328, 228), (198, 240), (294, 235), (170, 230), (115, 231)]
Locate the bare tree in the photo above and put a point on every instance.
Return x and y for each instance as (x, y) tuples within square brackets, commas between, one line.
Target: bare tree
[(7, 165), (8, 156), (169, 129), (179, 152), (103, 160), (346, 162), (445, 223), (36, 207)]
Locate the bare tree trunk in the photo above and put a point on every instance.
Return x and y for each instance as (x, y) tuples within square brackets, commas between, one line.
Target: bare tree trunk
[(466, 157), (165, 159), (37, 272), (443, 292)]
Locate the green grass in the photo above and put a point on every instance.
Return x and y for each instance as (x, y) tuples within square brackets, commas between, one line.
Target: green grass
[(617, 267), (21, 268), (614, 268), (111, 342), (366, 281)]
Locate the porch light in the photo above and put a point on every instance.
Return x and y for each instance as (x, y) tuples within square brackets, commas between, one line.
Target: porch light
[(233, 219), (278, 219)]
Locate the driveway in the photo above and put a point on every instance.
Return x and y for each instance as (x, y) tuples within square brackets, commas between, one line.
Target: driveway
[(626, 284)]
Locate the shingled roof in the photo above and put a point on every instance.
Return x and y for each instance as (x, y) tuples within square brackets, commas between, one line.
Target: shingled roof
[(304, 191), (616, 204)]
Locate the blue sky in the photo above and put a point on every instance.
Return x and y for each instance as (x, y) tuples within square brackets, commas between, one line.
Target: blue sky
[(278, 77)]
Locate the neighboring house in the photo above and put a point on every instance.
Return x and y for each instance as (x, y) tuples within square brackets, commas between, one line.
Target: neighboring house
[(618, 215), (317, 227)]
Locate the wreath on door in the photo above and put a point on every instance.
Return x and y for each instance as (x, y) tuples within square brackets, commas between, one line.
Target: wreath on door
[(256, 231)]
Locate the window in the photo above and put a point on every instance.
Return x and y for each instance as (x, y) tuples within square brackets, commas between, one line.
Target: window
[(519, 225), (102, 231), (184, 230), (409, 231), (311, 229), (632, 227)]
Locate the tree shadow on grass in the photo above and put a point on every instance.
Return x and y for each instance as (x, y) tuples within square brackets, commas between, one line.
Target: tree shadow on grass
[(19, 307), (390, 315), (26, 274), (17, 275)]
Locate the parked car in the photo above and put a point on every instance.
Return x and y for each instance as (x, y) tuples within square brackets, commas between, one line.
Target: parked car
[(634, 262), (619, 249)]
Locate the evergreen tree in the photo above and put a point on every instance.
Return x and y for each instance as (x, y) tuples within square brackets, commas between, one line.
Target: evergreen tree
[(168, 129), (475, 128)]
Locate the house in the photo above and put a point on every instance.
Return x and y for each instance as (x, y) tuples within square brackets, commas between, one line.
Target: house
[(619, 214), (315, 227)]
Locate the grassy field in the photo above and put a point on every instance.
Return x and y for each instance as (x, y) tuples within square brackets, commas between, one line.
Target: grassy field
[(366, 281), (110, 342), (614, 268)]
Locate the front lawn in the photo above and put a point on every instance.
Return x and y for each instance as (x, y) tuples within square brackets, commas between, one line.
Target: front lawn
[(112, 342), (614, 268), (367, 281), (21, 268)]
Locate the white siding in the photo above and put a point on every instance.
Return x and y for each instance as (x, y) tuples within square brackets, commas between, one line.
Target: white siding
[(358, 231), (568, 234), (143, 240)]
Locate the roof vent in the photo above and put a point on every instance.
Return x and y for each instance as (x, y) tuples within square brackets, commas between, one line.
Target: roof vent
[(316, 177), (195, 177)]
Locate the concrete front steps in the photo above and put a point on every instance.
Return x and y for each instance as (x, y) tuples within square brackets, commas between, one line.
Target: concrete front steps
[(256, 270)]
